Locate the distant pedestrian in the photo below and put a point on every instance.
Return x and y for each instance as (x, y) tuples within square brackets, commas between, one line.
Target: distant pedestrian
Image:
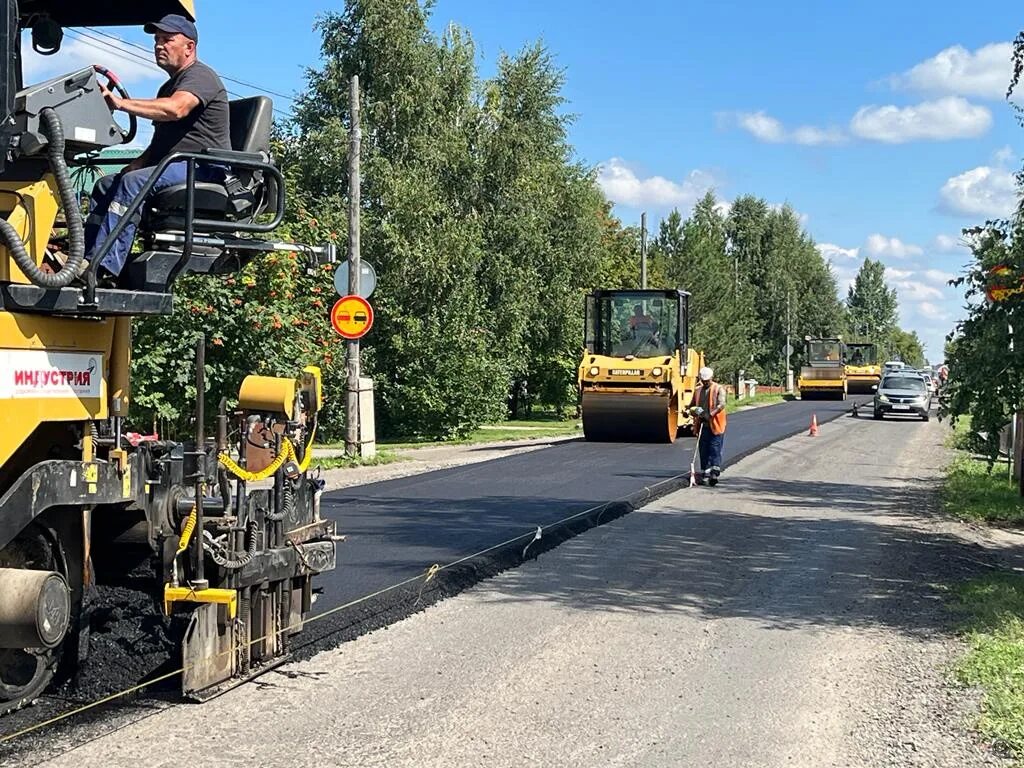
[(709, 408)]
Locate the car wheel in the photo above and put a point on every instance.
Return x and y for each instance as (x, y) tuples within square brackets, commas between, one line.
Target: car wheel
[(877, 415), (925, 417)]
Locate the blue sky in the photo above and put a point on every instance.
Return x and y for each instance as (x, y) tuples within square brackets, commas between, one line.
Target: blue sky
[(881, 123)]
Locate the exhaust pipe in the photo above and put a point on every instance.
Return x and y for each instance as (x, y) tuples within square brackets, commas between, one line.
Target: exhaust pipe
[(35, 608)]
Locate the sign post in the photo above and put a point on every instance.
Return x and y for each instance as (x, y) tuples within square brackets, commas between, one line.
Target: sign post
[(352, 387)]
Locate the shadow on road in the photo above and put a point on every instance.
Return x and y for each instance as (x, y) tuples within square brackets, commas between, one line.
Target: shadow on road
[(871, 565)]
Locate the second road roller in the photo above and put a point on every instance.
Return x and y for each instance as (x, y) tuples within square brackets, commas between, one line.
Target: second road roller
[(638, 372)]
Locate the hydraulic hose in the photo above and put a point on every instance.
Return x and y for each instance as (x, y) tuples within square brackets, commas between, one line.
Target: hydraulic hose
[(220, 557), (69, 203)]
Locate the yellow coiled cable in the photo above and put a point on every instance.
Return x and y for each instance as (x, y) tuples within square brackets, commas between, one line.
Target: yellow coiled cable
[(186, 532)]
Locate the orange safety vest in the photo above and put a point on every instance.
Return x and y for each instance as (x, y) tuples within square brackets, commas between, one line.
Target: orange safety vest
[(706, 397)]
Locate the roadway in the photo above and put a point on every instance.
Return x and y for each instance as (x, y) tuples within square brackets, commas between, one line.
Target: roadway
[(397, 528)]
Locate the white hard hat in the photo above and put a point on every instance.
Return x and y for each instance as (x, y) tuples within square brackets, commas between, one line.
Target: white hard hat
[(706, 374)]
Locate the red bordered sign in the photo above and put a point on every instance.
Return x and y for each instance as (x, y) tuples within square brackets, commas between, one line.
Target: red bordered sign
[(352, 317)]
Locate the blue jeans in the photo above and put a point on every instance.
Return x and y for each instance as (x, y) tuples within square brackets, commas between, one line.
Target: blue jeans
[(710, 449), (110, 200)]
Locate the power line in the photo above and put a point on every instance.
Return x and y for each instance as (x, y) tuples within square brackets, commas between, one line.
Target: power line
[(106, 48), (234, 80)]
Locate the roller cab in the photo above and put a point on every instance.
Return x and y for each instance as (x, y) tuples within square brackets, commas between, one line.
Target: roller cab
[(638, 373), (863, 371)]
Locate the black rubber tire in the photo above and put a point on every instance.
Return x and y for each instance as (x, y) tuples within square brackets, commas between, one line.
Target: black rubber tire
[(877, 415)]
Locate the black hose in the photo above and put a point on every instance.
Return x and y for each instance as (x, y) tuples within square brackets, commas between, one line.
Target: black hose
[(287, 503), (233, 564), (69, 202)]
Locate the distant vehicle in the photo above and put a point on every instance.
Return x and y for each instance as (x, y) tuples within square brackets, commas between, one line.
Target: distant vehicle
[(903, 393), (893, 365)]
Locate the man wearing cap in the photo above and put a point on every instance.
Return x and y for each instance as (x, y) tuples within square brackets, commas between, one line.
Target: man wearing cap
[(189, 114), (709, 409)]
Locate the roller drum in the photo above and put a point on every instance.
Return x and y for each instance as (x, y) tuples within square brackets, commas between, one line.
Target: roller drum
[(625, 417), (35, 608)]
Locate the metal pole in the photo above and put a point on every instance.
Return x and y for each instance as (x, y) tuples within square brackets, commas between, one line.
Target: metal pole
[(789, 347), (352, 393), (200, 488), (643, 250)]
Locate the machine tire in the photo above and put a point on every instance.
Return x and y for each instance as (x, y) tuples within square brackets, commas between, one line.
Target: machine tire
[(877, 415), (26, 673)]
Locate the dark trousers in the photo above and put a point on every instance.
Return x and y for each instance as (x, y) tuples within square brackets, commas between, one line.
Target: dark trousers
[(710, 449)]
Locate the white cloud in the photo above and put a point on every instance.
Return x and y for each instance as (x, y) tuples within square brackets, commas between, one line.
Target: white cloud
[(76, 53), (948, 118), (980, 192), (931, 311), (879, 246), (911, 290), (984, 73), (938, 277), (946, 244), (897, 274), (762, 126), (766, 128), (1004, 156), (832, 252), (812, 136), (622, 185)]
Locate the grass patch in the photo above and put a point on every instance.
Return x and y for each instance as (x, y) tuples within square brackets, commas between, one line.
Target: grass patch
[(765, 399), (540, 426), (970, 491), (960, 437), (348, 462), (992, 607)]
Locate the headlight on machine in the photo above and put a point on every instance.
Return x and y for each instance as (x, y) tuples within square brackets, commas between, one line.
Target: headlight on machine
[(657, 371), (594, 370), (883, 399)]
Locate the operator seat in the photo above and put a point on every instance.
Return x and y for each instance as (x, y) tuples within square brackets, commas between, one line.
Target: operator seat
[(245, 193)]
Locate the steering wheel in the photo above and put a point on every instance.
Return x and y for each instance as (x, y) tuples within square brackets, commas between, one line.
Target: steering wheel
[(114, 83)]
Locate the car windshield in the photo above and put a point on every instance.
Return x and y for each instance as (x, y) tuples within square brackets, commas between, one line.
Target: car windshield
[(913, 383)]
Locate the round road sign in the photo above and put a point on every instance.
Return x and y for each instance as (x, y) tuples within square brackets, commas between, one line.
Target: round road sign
[(367, 279), (352, 316)]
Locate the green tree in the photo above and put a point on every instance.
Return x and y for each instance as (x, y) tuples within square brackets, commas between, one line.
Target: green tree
[(871, 303), (430, 351), (722, 318)]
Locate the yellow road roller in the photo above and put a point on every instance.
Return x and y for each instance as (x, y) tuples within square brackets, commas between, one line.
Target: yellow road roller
[(638, 372), (824, 371), (863, 371)]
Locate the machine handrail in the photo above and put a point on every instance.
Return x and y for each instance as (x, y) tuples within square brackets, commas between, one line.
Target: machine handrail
[(191, 158)]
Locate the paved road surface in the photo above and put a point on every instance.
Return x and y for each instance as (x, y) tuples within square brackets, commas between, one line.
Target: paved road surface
[(787, 618), (397, 528)]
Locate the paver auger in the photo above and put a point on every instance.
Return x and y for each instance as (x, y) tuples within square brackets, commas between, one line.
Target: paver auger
[(79, 493)]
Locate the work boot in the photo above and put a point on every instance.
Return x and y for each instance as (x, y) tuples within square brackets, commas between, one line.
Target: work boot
[(713, 477)]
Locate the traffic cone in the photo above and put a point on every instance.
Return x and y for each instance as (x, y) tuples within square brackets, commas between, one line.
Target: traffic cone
[(814, 425)]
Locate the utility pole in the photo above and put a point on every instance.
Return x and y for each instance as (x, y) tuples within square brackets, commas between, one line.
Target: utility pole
[(789, 349), (643, 250), (352, 388)]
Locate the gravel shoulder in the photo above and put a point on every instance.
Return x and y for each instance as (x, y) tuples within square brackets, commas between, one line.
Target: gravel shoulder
[(792, 616)]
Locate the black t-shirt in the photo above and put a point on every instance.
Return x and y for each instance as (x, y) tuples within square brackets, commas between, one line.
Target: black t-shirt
[(205, 127)]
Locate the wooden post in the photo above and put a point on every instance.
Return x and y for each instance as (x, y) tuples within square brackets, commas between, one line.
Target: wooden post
[(643, 250), (352, 368)]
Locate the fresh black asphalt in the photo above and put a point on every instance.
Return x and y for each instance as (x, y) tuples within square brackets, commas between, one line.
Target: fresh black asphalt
[(396, 529)]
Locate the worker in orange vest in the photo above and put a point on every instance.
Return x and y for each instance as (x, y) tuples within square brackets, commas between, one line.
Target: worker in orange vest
[(709, 409)]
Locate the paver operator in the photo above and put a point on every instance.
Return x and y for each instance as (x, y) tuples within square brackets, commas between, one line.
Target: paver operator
[(189, 114)]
